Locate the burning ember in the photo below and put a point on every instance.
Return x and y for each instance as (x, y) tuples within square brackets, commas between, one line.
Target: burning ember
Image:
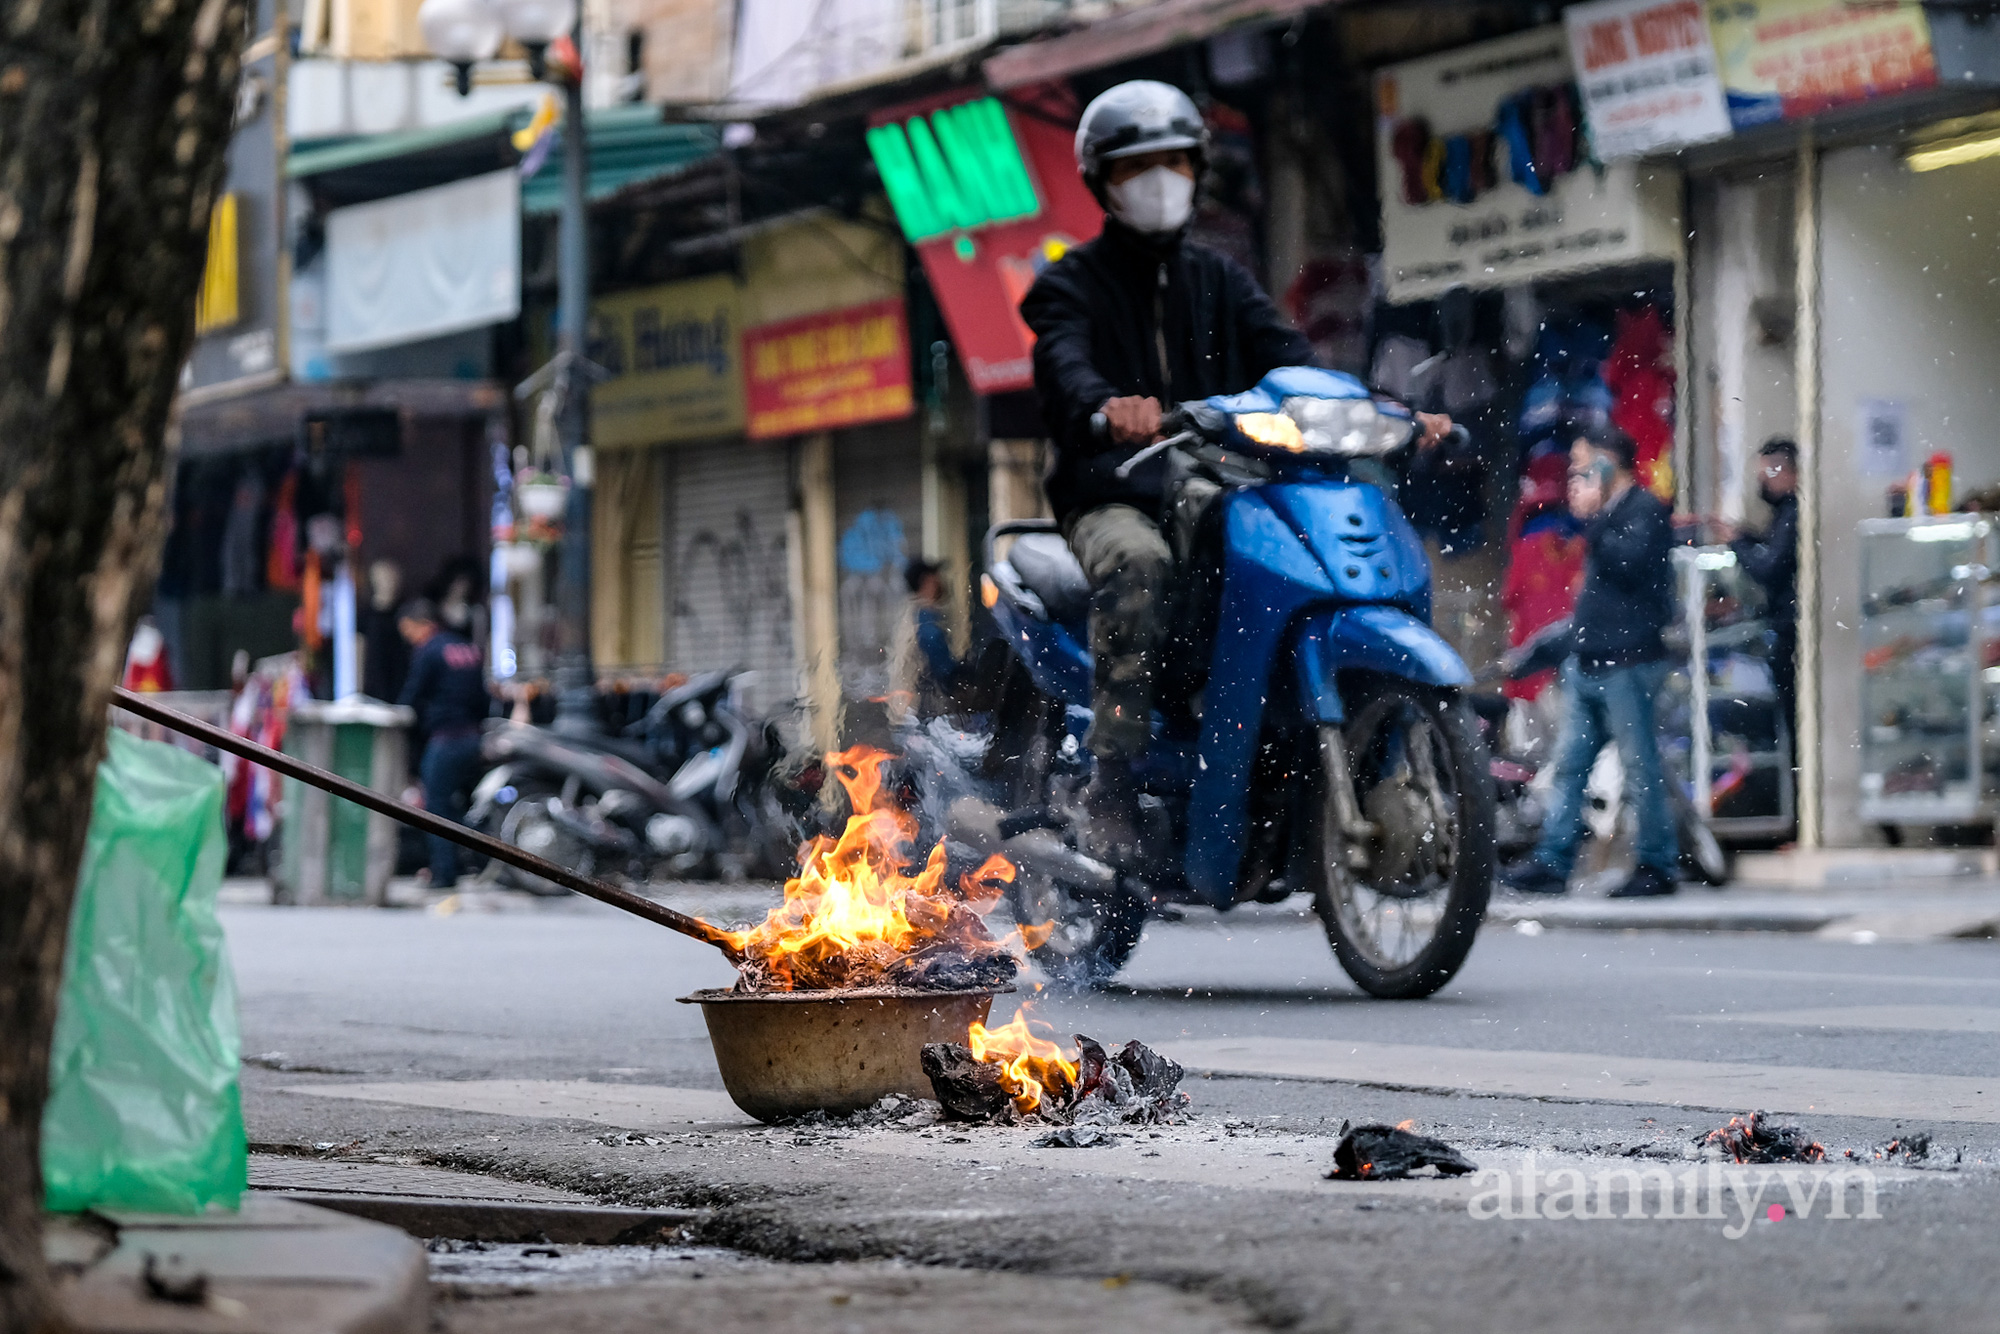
[(855, 915), (1753, 1139), (1011, 1074), (1029, 1066)]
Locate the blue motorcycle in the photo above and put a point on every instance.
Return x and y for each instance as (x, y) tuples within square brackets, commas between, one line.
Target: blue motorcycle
[(1322, 744)]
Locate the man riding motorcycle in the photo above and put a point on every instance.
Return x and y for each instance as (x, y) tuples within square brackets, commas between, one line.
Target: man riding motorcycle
[(1138, 318)]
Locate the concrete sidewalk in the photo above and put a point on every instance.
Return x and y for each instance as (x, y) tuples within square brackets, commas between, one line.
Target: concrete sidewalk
[(1971, 913), (1859, 894)]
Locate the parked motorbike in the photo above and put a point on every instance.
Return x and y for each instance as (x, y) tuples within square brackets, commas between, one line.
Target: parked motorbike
[(682, 792), (1326, 747), (1521, 783)]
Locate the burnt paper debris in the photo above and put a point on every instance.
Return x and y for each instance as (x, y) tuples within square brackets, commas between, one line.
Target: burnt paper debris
[(1754, 1139), (1134, 1085), (1390, 1153), (1076, 1137), (968, 1089), (944, 967)]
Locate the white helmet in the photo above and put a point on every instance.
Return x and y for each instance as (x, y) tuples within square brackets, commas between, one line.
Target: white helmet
[(1139, 116)]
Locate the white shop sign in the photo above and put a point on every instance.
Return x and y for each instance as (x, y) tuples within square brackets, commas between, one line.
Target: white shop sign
[(1588, 217), (1646, 69)]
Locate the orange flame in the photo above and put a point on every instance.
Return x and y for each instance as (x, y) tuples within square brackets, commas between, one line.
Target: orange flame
[(854, 916), (1029, 1066)]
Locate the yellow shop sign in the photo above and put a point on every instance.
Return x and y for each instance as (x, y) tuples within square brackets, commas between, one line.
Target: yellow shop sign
[(675, 353)]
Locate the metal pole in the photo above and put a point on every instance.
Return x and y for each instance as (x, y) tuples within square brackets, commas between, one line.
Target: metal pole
[(290, 767), (1807, 738), (576, 701), (1685, 496)]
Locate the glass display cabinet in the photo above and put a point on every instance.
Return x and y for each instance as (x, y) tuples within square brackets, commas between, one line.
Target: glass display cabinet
[(1929, 662), (1720, 723)]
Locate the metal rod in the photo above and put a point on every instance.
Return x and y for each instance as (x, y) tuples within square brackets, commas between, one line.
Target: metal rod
[(277, 761)]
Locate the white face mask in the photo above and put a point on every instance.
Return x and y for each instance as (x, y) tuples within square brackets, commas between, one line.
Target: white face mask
[(1156, 201)]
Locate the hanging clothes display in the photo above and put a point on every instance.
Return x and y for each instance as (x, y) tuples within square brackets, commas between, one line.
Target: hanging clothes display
[(1544, 557), (281, 568), (1639, 372)]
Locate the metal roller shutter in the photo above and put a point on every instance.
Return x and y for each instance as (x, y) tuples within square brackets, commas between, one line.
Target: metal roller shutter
[(878, 487), (728, 586)]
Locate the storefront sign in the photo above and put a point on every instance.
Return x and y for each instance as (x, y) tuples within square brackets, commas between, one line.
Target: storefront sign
[(1646, 69), (1786, 58), (676, 363), (957, 167), (842, 368), (1486, 180), (979, 276)]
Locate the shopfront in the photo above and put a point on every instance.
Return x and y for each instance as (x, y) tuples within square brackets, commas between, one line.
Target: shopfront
[(1845, 287), (721, 540)]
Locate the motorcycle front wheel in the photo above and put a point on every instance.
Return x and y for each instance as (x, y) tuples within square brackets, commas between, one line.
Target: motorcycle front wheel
[(1402, 893)]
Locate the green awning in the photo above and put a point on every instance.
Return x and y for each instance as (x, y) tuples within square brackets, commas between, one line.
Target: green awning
[(628, 145), (320, 156)]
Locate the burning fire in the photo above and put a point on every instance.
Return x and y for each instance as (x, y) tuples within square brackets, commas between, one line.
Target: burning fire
[(854, 916), (1029, 1066)]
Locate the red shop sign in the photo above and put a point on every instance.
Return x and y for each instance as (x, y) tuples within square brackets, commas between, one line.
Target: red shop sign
[(837, 368)]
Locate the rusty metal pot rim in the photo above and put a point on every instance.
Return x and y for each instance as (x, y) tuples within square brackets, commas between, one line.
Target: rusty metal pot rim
[(724, 995)]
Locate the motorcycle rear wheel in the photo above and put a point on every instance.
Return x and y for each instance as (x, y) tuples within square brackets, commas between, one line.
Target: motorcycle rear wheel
[(1091, 939), (1403, 925)]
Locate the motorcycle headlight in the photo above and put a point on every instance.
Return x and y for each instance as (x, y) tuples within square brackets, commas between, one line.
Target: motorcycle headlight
[(1274, 430), (1345, 426)]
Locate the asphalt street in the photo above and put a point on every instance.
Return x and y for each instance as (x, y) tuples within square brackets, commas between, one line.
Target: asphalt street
[(544, 1044)]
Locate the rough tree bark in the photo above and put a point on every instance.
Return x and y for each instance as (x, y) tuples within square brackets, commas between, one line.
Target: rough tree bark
[(113, 121)]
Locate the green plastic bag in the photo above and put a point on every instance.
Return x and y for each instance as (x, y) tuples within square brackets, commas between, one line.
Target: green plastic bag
[(144, 1112)]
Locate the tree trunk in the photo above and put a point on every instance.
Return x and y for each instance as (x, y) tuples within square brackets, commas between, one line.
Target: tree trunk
[(113, 122)]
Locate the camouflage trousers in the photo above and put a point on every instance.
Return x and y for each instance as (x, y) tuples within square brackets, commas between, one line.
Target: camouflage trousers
[(1136, 568)]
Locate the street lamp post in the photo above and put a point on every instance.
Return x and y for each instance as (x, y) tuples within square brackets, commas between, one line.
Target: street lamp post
[(465, 32)]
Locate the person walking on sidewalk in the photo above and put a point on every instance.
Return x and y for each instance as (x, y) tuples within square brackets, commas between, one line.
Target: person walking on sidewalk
[(447, 688), (1616, 667)]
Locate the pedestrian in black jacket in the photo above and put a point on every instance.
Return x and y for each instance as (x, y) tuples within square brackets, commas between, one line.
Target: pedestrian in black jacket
[(1125, 326), (1773, 561), (1615, 670), (447, 688)]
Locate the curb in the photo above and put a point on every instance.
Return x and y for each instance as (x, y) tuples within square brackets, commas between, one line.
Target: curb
[(501, 1221)]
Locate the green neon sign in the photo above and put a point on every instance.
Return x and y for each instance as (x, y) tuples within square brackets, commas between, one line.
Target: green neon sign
[(955, 169)]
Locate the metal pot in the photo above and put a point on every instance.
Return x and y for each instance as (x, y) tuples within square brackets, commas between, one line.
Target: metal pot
[(786, 1053)]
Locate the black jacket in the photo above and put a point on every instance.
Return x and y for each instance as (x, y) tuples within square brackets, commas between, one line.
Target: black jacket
[(447, 686), (1773, 561), (1124, 316), (1628, 584)]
